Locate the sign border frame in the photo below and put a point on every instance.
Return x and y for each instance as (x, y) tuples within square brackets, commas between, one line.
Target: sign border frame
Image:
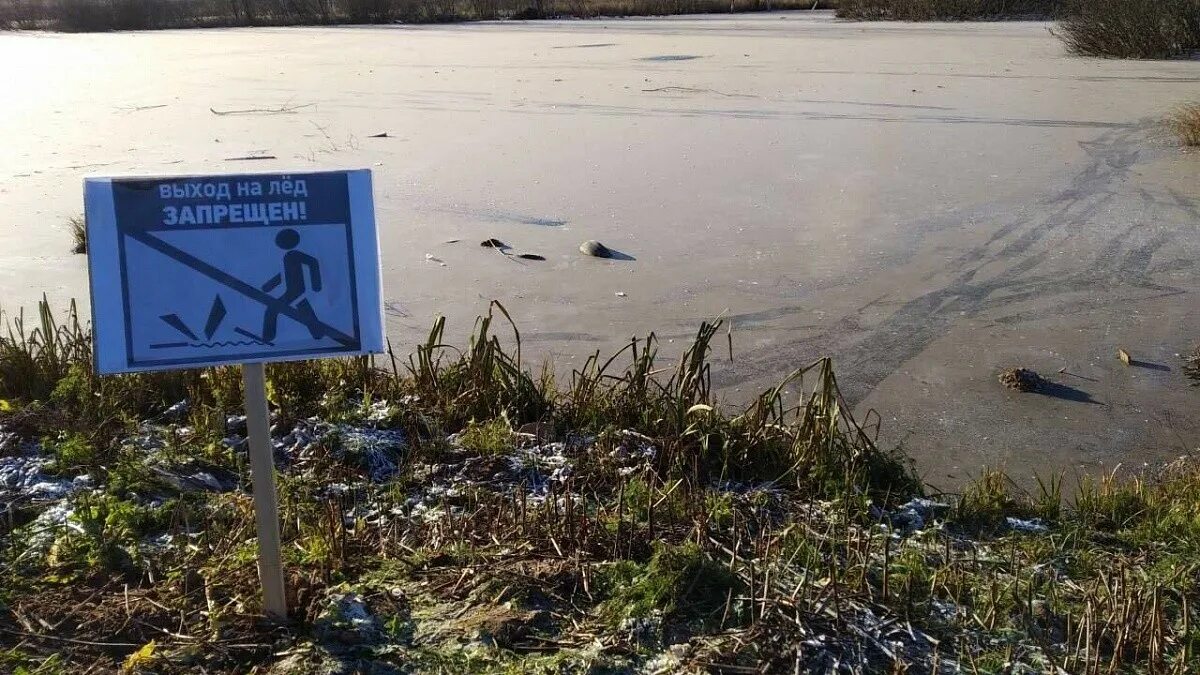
[(110, 309)]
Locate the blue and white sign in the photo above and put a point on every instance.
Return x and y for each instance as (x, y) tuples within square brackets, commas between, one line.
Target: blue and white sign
[(205, 270)]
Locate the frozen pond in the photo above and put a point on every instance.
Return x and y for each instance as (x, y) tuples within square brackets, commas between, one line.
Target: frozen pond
[(926, 203)]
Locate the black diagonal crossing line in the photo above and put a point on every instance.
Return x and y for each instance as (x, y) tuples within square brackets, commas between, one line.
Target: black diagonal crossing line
[(240, 286)]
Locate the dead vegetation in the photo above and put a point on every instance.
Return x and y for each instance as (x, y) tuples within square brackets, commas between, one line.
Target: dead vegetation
[(1191, 366), (1131, 29), (946, 10), (1021, 379), (454, 512), (1185, 123), (78, 234)]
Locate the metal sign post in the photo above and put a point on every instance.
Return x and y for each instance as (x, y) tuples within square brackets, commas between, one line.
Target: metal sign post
[(196, 271), (266, 507)]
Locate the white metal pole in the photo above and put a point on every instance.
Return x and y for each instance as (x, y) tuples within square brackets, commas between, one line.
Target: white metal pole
[(266, 508)]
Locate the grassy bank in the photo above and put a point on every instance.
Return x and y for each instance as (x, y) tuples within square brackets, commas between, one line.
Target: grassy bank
[(457, 511), (106, 15)]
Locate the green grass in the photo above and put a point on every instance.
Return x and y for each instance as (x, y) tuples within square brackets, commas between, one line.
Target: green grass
[(489, 438), (741, 535), (680, 583), (35, 357)]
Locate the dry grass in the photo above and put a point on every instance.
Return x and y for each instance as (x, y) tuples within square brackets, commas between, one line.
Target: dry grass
[(1191, 366), (637, 515), (1185, 123), (945, 10), (1137, 29), (1132, 29), (78, 234)]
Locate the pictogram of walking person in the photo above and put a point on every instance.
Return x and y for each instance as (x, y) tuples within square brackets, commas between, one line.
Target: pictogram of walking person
[(296, 284)]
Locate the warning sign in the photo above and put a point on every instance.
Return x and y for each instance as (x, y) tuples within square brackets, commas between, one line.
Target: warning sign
[(198, 271)]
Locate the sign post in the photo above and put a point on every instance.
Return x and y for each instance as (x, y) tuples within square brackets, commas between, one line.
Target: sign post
[(196, 271), (262, 473)]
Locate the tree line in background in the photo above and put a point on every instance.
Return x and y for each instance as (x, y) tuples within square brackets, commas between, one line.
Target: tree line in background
[(1112, 28), (104, 15)]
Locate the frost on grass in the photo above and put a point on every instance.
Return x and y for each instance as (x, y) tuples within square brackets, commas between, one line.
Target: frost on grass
[(375, 450), (26, 477), (1032, 526), (915, 514), (347, 619), (464, 517)]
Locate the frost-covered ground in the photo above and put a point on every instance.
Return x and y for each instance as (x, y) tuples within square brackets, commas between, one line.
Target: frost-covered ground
[(388, 618)]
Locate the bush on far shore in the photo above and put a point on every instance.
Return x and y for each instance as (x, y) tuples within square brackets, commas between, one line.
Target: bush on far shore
[(1132, 29), (1128, 29)]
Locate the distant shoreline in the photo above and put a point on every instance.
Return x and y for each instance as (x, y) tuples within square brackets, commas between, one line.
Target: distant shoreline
[(93, 16)]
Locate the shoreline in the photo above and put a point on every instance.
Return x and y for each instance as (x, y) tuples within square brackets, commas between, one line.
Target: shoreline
[(145, 15), (459, 514)]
